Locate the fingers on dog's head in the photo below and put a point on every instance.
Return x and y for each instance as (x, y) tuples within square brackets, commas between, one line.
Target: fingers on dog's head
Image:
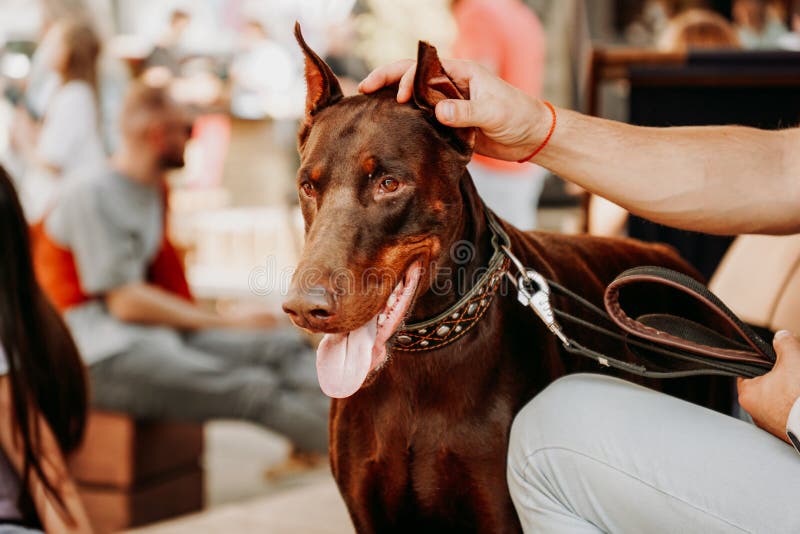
[(431, 86), (385, 76), (405, 90)]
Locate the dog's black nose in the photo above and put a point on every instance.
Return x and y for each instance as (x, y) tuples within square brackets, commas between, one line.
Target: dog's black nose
[(312, 307)]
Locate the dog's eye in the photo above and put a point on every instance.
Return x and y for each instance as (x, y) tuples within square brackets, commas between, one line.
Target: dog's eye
[(389, 185), (307, 188)]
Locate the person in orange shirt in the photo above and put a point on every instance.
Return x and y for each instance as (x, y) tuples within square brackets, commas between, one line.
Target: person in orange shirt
[(506, 37)]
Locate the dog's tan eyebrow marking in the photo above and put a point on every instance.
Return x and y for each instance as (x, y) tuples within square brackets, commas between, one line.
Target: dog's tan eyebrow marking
[(369, 165), (315, 174)]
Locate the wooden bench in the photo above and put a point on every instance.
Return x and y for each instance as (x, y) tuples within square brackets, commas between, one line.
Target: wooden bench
[(131, 473)]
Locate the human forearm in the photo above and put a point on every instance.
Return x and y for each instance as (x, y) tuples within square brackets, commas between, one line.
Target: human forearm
[(725, 180), (147, 304)]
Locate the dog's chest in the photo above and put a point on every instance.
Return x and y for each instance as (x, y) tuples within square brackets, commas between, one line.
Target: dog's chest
[(432, 458)]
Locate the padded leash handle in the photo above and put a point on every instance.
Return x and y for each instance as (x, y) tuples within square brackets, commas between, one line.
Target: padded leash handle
[(641, 301)]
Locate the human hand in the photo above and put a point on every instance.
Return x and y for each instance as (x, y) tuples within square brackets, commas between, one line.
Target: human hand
[(255, 320), (770, 398), (511, 124), (248, 316)]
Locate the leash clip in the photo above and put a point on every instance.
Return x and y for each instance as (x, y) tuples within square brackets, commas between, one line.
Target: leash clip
[(534, 292)]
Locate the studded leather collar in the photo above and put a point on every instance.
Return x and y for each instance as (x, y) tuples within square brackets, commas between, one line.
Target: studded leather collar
[(460, 318)]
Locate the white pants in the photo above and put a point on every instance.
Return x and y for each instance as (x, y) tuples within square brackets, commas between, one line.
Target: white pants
[(513, 196), (596, 454)]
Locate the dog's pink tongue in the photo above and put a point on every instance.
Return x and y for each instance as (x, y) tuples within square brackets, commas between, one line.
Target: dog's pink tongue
[(344, 360)]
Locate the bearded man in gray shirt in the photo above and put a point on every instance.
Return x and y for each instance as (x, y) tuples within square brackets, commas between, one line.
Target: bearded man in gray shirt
[(151, 351)]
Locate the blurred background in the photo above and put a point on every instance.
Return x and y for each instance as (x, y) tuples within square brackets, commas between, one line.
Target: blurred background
[(233, 211)]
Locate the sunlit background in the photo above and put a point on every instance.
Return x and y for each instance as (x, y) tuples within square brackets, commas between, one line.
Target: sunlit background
[(234, 212)]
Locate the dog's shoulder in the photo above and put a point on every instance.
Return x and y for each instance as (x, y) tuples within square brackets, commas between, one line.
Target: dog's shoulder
[(601, 259)]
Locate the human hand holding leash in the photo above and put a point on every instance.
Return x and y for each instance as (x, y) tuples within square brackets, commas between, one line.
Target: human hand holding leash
[(511, 124), (769, 398)]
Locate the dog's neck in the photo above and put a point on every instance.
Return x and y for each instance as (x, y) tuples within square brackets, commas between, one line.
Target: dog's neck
[(465, 255)]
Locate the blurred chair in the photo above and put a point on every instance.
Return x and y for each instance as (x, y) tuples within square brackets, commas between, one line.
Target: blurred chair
[(131, 473), (759, 279)]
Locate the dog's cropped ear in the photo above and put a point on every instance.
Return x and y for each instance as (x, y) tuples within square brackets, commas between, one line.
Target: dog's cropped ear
[(323, 88), (431, 86)]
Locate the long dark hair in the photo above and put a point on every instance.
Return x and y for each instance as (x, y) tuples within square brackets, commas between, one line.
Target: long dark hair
[(45, 370)]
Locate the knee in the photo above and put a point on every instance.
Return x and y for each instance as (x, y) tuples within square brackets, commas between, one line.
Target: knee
[(568, 411)]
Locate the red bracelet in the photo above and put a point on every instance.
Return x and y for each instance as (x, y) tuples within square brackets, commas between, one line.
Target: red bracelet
[(549, 134)]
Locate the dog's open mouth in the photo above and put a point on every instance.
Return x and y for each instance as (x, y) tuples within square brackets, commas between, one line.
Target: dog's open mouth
[(344, 361)]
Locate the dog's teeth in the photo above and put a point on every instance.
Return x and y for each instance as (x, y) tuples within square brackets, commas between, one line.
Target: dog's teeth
[(391, 301), (381, 319)]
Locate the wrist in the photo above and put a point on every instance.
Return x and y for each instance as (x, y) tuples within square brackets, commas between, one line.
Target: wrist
[(537, 126), (540, 129)]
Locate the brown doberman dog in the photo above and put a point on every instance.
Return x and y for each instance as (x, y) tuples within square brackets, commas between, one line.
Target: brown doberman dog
[(396, 234)]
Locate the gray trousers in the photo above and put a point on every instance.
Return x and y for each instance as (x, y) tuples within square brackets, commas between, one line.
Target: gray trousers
[(596, 454), (268, 377)]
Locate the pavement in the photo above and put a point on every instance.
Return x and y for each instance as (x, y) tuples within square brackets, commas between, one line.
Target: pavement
[(242, 497)]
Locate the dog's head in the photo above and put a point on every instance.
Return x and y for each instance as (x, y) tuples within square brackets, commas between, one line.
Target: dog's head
[(379, 190)]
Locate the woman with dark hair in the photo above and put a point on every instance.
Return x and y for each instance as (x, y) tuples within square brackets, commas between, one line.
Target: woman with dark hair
[(43, 397)]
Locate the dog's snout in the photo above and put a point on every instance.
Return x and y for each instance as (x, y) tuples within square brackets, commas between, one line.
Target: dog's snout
[(312, 307)]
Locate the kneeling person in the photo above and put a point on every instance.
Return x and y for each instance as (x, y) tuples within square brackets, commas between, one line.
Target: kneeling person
[(103, 257)]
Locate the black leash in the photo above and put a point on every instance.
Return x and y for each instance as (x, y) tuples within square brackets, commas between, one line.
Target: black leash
[(577, 348), (534, 291)]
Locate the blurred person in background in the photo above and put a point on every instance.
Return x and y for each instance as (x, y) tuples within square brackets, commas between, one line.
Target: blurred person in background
[(650, 24), (193, 77), (506, 37), (43, 394), (698, 29), (262, 76), (42, 80), (67, 140), (791, 41), (165, 59), (758, 28), (795, 15), (103, 257), (341, 55)]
